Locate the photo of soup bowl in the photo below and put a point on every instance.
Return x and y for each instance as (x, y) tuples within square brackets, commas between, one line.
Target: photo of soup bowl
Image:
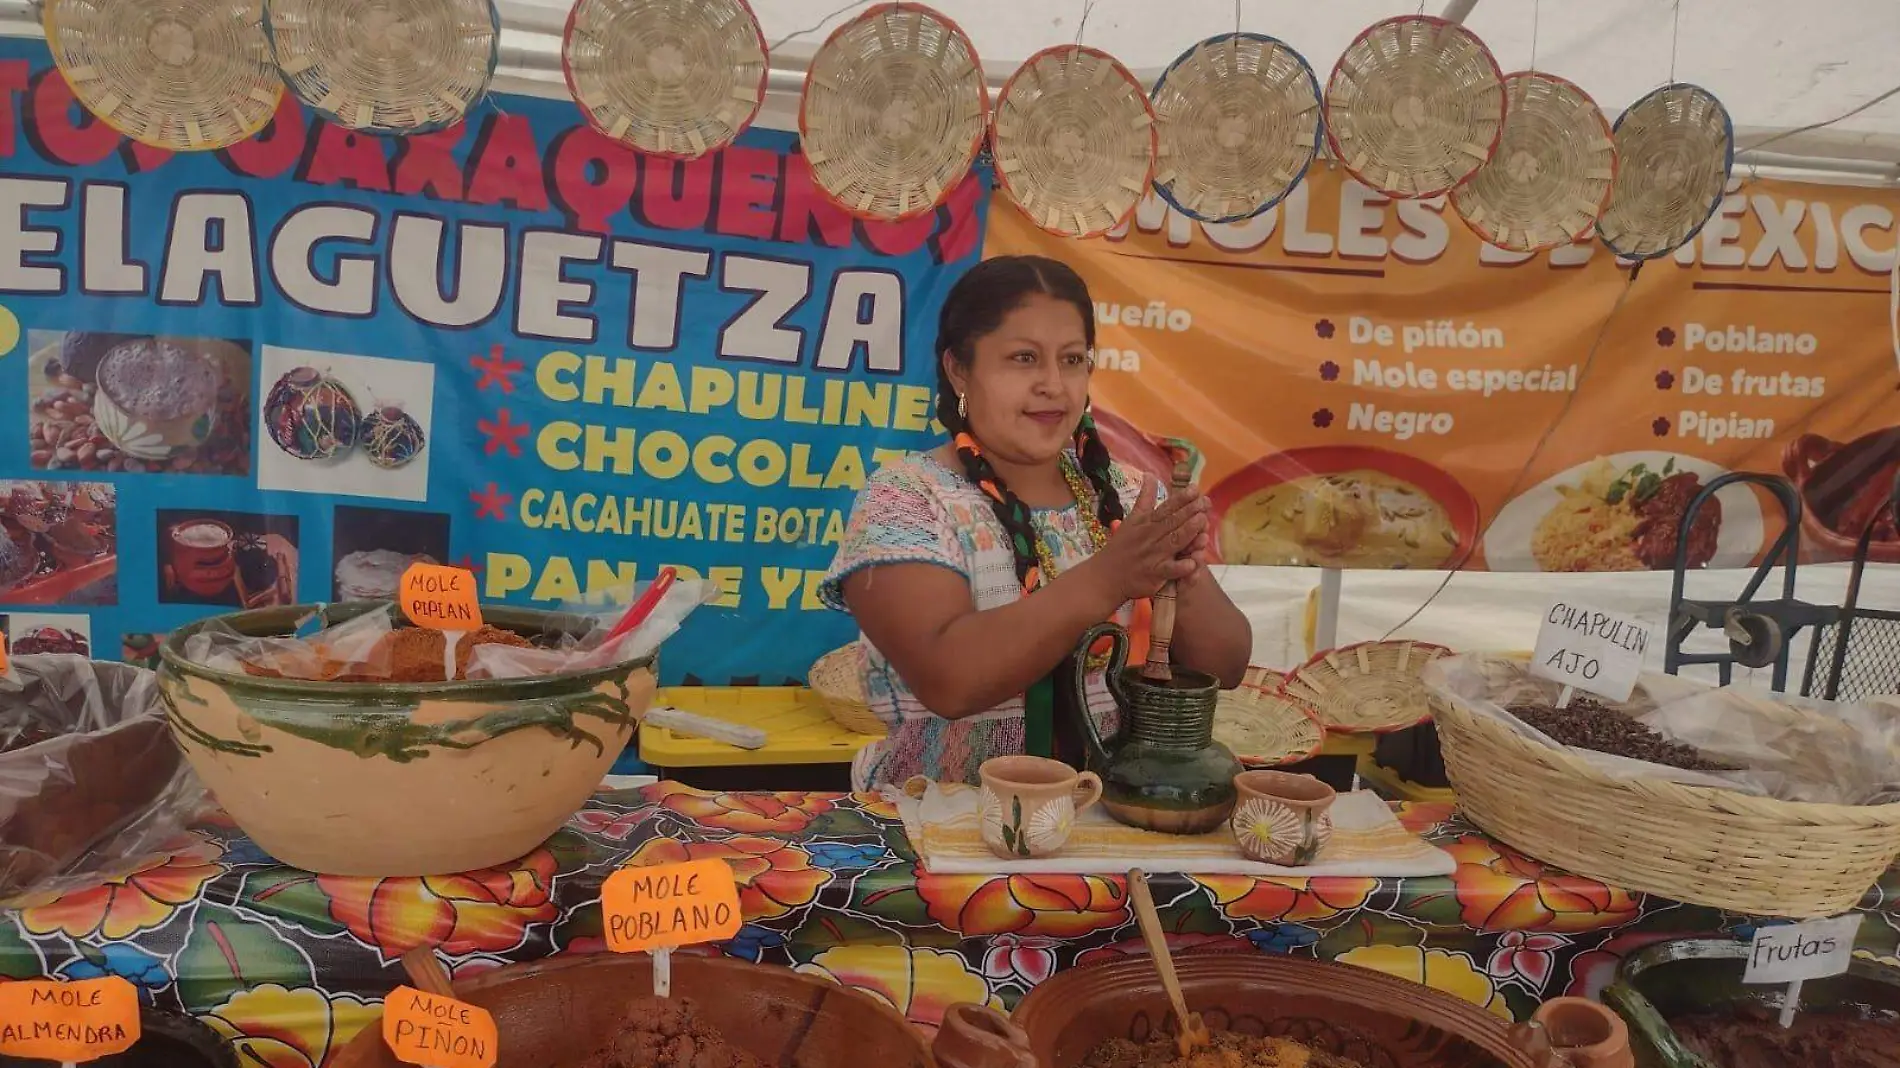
[(1345, 506)]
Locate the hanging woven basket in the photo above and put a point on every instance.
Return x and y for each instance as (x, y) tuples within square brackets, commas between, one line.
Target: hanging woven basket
[(894, 112), (1238, 122), (1551, 174), (676, 78), (184, 75), (1074, 141), (1414, 106), (386, 66), (1675, 149)]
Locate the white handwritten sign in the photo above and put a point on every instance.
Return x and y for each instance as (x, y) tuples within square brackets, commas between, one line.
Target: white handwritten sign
[(1814, 949), (1590, 649)]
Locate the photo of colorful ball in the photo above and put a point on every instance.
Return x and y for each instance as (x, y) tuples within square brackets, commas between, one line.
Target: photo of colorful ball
[(311, 416), (391, 437)]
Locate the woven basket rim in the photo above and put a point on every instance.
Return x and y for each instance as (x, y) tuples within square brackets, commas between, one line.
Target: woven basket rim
[(1431, 650), (1332, 141), (976, 143), (488, 79), (1147, 181), (1728, 165), (1250, 694), (587, 113), (1166, 192), (1616, 159), (277, 89)]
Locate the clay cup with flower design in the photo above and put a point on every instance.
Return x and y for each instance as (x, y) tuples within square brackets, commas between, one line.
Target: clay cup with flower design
[(1028, 805), (1282, 818)]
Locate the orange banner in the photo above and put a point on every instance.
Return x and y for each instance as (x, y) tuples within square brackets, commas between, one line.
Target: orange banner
[(1371, 385)]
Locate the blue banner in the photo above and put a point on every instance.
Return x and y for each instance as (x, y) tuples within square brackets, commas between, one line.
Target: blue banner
[(278, 373)]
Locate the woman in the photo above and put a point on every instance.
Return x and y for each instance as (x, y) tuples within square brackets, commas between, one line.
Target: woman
[(974, 569)]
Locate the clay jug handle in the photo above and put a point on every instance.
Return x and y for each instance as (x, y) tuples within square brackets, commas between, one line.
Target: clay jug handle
[(977, 1036), (1088, 790), (1804, 454), (1117, 658)]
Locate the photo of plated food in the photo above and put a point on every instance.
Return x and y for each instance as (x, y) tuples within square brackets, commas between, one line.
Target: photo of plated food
[(227, 558), (1345, 506), (138, 403), (58, 543), (1844, 487), (1623, 513)]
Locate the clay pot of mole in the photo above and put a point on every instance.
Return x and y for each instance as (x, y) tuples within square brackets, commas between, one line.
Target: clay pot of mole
[(560, 1010), (400, 778), (1355, 1013)]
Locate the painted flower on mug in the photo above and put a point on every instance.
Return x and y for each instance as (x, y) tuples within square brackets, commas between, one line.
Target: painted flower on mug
[(920, 983), (1014, 958), (774, 876), (1243, 897), (1056, 906), (128, 904), (747, 813), (486, 911), (1500, 889), (272, 1026), (1441, 969)]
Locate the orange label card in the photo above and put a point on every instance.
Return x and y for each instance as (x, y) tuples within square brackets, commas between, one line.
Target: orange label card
[(440, 598), (668, 905), (79, 1021), (440, 1032), (3, 653)]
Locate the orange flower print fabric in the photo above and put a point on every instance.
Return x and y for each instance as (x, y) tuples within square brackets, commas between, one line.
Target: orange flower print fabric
[(487, 911)]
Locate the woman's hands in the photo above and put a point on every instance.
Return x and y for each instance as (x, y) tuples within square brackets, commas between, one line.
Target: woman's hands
[(1157, 543)]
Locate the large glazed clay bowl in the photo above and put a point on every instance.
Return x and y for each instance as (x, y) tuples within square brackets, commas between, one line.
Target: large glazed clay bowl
[(1374, 1019), (553, 1012), (388, 779)]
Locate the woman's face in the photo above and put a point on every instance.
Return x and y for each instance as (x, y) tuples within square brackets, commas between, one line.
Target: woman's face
[(1028, 381)]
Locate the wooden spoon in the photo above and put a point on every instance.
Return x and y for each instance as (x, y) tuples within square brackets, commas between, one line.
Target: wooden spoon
[(1191, 1033), (1161, 628), (427, 973)]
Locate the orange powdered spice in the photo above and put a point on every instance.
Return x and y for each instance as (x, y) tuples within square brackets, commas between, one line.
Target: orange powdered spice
[(411, 654)]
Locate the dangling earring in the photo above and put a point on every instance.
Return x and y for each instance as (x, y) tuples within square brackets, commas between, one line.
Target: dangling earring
[(963, 407)]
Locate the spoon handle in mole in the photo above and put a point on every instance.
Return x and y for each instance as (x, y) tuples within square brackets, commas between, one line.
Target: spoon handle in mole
[(1161, 631), (427, 972)]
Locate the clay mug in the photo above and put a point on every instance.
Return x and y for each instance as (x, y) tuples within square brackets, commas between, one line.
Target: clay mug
[(201, 555), (1282, 818), (1028, 804), (1585, 1034)]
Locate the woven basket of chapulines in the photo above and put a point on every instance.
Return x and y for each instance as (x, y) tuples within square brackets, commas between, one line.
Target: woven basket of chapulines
[(1367, 688), (1548, 180), (1675, 149), (675, 78), (894, 112), (1264, 727), (839, 684), (1707, 846), (386, 66), (1074, 141), (1414, 106), (1237, 120), (184, 75)]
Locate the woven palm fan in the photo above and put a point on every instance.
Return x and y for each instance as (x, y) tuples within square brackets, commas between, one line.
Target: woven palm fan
[(1265, 727), (1238, 123), (1074, 141), (1414, 106), (677, 78), (387, 66), (1676, 148), (185, 75), (1369, 687), (1552, 171), (894, 111)]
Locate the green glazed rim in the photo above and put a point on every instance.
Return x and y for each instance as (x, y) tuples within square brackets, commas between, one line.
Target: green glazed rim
[(284, 621)]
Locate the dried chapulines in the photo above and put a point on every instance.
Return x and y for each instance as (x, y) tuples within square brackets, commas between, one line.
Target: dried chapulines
[(1588, 724)]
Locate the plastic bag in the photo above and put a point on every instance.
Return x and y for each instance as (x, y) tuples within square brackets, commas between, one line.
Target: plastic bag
[(91, 784), (1789, 748)]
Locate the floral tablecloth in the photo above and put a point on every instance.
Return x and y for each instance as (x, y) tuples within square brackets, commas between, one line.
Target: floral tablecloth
[(290, 965)]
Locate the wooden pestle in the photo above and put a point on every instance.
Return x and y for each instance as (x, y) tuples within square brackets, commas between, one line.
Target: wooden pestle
[(1161, 631), (426, 972)]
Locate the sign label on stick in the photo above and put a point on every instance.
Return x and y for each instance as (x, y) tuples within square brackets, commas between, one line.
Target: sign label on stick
[(440, 598), (428, 1029), (68, 1022), (1813, 949), (669, 905), (1590, 649)]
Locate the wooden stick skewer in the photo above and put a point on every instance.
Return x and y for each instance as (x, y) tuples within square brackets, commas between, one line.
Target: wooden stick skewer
[(427, 972), (1161, 631)]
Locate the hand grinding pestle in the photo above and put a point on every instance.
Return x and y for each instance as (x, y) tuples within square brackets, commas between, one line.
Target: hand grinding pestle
[(1161, 632)]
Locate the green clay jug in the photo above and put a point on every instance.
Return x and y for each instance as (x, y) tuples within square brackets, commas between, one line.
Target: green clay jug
[(1163, 771)]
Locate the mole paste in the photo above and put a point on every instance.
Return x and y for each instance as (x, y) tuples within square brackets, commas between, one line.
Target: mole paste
[(667, 1033), (412, 654), (1752, 1037), (1227, 1050)]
